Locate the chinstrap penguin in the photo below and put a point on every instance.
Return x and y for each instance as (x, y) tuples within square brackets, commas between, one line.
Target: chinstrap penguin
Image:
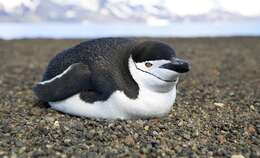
[(113, 78)]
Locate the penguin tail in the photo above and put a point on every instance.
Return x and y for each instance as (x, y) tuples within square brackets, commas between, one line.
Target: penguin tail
[(43, 93)]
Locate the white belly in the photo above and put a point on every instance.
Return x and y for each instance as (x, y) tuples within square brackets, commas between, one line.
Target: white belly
[(148, 104)]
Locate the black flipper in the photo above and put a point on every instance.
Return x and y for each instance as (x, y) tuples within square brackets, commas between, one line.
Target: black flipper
[(103, 86), (73, 80)]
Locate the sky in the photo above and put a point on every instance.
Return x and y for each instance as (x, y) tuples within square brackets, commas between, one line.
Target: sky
[(191, 7), (250, 8), (180, 7)]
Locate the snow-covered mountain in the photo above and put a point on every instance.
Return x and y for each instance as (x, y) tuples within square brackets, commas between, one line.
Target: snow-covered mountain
[(153, 12)]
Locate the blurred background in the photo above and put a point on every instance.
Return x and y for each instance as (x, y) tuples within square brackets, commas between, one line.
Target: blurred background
[(151, 18)]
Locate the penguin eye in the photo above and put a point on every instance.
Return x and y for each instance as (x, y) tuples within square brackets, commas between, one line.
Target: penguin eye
[(147, 64)]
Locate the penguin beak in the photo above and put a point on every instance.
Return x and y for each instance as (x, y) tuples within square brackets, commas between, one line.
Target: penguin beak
[(178, 65)]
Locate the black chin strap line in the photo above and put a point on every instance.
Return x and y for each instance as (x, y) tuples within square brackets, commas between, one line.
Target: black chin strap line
[(151, 73)]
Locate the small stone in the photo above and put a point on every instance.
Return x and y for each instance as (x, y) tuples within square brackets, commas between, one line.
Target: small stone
[(196, 133), (140, 122), (49, 146), (219, 104), (156, 120), (210, 153), (58, 153), (252, 107), (90, 134), (66, 128), (18, 143), (22, 149), (146, 128), (142, 156), (237, 156), (155, 133), (251, 129), (221, 139), (13, 156), (63, 156), (2, 152), (50, 119), (91, 154), (186, 136), (35, 111), (111, 125), (231, 94), (180, 123), (67, 141), (178, 148), (129, 140), (56, 124)]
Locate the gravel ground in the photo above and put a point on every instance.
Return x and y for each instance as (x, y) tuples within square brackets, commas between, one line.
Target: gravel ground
[(216, 112)]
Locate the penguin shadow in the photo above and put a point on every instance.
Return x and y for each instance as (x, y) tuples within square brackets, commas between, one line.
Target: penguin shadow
[(45, 107), (41, 104)]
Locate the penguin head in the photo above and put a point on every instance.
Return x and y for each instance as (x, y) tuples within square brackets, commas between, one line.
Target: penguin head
[(154, 65)]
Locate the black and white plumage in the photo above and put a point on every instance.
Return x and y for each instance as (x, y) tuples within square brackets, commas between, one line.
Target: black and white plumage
[(112, 78)]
